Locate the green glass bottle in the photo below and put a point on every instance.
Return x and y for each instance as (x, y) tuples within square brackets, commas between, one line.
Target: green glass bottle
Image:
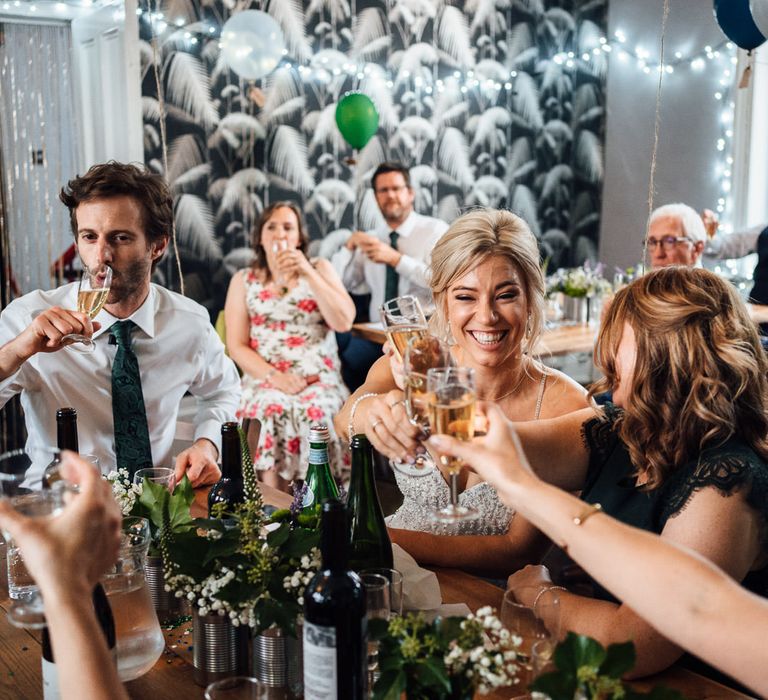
[(319, 479), (370, 546)]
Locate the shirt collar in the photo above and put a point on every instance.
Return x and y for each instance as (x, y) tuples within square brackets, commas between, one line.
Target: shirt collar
[(405, 228), (143, 317)]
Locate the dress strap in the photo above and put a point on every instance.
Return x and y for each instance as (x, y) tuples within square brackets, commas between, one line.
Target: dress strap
[(540, 398)]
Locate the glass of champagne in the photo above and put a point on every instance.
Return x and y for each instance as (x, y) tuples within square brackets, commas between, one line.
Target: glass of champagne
[(403, 319), (92, 294), (452, 399), (422, 353)]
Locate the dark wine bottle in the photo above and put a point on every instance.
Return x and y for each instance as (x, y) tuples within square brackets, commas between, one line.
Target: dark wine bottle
[(66, 439), (335, 625), (319, 479), (371, 547), (107, 624), (228, 489)]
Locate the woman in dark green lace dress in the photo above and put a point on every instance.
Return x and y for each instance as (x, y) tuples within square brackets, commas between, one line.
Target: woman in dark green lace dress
[(682, 451)]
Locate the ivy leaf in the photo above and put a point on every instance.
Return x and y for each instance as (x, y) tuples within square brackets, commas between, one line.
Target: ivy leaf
[(279, 537), (179, 503), (576, 651), (154, 497), (390, 686), (432, 673), (619, 658), (558, 685)]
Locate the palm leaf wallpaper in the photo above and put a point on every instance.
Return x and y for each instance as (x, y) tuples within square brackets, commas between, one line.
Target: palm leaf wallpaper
[(474, 96)]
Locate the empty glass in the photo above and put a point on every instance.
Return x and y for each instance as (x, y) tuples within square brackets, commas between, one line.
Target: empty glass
[(377, 607), (237, 688), (157, 475), (403, 319), (395, 579)]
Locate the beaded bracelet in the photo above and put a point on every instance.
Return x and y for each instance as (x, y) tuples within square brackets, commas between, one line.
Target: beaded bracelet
[(546, 590), (352, 411)]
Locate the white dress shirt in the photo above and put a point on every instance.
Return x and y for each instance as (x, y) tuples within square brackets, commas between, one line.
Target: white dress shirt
[(418, 235), (177, 349)]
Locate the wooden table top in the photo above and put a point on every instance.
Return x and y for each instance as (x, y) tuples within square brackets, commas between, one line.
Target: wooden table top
[(558, 340), (171, 677)]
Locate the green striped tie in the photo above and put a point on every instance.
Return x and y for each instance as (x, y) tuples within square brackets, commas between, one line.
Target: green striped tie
[(132, 446), (392, 280)]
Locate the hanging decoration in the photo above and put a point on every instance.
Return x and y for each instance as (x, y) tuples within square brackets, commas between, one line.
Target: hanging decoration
[(736, 20), (252, 43), (357, 119)]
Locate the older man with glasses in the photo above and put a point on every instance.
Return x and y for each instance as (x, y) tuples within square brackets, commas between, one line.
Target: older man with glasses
[(676, 236)]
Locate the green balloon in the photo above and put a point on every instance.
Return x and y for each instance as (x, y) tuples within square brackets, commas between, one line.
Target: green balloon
[(357, 119)]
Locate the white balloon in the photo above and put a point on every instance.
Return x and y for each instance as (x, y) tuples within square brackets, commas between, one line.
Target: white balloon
[(252, 43), (759, 10)]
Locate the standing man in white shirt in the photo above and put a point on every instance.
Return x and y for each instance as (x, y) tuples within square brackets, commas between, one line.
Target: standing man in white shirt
[(390, 261), (151, 345)]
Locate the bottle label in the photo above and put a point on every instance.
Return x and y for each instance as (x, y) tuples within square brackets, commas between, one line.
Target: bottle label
[(320, 670), (50, 681), (318, 455), (308, 499)]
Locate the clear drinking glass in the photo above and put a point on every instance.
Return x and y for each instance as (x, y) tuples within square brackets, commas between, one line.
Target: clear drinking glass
[(157, 475), (237, 688), (377, 606), (277, 246), (452, 399), (403, 319), (92, 294), (395, 579), (139, 642)]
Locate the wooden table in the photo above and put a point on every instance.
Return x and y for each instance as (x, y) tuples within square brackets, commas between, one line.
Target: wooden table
[(171, 677), (559, 340)]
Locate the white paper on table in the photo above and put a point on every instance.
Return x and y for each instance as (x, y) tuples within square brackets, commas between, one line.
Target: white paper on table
[(421, 591)]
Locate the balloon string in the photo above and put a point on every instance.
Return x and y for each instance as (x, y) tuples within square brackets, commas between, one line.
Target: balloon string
[(164, 136), (656, 125)]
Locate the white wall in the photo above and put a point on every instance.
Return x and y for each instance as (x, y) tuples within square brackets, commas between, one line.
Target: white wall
[(689, 123)]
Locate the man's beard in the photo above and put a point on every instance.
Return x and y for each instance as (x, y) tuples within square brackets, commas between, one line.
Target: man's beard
[(128, 282)]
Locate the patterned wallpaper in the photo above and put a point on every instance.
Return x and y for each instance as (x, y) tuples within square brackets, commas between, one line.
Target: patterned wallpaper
[(490, 102)]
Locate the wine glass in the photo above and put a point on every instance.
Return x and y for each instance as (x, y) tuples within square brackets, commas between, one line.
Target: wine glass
[(377, 607), (92, 293), (403, 319), (452, 399), (422, 353)]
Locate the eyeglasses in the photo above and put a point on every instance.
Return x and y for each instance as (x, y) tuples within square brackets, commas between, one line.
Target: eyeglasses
[(668, 243), (393, 190)]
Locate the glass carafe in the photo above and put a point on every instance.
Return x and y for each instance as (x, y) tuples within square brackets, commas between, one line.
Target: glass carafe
[(139, 638)]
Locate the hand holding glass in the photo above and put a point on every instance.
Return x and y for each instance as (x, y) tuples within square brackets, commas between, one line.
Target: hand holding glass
[(92, 294)]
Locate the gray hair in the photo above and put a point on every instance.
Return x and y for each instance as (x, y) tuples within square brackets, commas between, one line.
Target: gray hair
[(689, 218)]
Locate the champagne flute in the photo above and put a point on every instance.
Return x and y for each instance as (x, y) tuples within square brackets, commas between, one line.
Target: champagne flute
[(403, 319), (422, 353), (452, 399), (278, 246), (92, 293)]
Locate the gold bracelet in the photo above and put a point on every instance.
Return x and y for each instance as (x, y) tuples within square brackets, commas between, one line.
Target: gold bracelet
[(587, 513)]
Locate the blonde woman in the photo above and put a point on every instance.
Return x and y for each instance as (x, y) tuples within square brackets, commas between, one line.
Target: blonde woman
[(488, 291), (683, 453)]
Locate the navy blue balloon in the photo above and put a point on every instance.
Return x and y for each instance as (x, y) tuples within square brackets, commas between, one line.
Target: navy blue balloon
[(736, 21)]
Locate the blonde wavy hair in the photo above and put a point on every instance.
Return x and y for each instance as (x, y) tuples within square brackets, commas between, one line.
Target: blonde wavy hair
[(700, 371), (473, 238)]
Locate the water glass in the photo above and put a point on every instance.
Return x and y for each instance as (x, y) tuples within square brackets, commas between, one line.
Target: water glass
[(403, 319), (237, 688), (157, 475), (395, 579), (26, 609), (377, 607)]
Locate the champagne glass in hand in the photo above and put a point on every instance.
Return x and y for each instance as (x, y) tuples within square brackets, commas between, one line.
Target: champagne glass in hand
[(92, 294), (277, 247), (403, 319), (423, 352), (452, 399)]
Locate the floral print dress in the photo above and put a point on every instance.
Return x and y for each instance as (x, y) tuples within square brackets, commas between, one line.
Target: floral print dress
[(289, 332)]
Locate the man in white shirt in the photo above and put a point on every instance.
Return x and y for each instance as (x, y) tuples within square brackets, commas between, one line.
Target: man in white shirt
[(393, 259), (163, 343)]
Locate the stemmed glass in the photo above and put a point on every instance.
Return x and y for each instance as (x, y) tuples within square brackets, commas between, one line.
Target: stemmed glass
[(452, 398), (377, 607), (423, 352), (92, 294), (403, 319)]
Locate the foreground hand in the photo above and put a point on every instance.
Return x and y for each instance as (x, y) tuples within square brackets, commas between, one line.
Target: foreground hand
[(387, 427), (67, 554), (198, 463), (288, 383), (46, 332), (497, 457), (528, 582)]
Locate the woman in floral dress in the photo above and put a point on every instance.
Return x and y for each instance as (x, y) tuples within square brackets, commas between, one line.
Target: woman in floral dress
[(280, 317)]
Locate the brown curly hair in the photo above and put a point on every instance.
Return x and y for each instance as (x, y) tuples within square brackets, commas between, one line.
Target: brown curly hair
[(700, 371), (260, 261)]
